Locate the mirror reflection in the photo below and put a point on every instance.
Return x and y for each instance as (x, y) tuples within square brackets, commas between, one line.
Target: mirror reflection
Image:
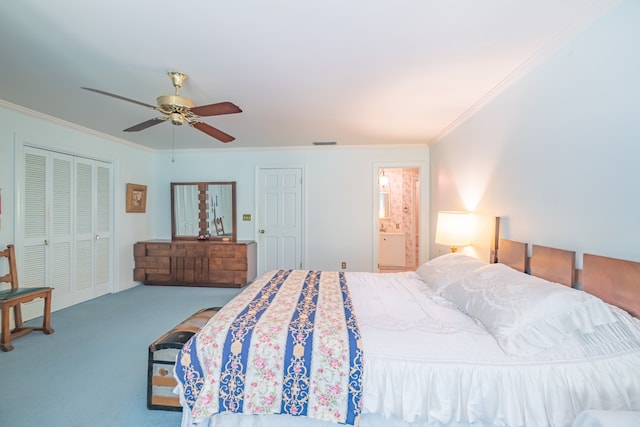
[(203, 210), (185, 209), (384, 205), (220, 211)]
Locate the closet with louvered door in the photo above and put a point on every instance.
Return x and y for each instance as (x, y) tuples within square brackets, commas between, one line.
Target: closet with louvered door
[(67, 205)]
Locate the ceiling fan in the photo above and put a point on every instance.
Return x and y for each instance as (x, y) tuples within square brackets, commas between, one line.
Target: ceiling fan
[(178, 109)]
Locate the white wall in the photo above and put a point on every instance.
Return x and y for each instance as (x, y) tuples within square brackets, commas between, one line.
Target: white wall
[(339, 187), (131, 164), (556, 154)]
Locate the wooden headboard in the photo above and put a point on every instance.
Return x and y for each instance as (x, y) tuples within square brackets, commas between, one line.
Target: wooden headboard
[(615, 281), (513, 254), (554, 265)]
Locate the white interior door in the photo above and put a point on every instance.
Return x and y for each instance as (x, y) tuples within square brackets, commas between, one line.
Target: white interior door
[(60, 230), (279, 219), (103, 260), (84, 214), (47, 233), (66, 211), (92, 229)]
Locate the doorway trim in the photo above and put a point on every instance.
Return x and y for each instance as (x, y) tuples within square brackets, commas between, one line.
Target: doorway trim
[(423, 219)]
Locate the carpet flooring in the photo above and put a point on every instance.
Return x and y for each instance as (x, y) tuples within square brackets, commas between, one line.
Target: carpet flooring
[(92, 372)]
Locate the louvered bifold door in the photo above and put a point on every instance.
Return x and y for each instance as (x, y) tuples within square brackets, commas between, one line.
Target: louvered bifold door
[(46, 207), (92, 229), (61, 231), (102, 232), (32, 262), (67, 217), (84, 230)]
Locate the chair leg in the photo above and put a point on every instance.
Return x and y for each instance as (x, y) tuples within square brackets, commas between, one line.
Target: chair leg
[(5, 340), (17, 316)]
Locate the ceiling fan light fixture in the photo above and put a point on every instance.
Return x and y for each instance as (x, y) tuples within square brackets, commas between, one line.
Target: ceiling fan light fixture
[(177, 119)]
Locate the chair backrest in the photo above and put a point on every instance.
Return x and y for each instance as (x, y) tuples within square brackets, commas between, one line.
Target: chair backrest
[(219, 226), (12, 276)]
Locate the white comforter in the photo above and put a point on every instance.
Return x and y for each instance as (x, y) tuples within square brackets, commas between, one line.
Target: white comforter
[(428, 363)]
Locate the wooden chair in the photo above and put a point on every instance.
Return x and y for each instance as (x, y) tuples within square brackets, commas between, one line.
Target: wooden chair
[(13, 297), (219, 226)]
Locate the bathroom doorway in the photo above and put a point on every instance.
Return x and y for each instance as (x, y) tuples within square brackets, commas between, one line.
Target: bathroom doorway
[(398, 218)]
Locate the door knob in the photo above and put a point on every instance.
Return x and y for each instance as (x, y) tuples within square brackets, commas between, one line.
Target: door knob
[(261, 231)]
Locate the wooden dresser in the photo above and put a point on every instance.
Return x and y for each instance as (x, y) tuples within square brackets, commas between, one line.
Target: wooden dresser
[(195, 263)]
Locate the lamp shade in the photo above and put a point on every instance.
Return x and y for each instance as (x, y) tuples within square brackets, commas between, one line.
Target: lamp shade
[(453, 229)]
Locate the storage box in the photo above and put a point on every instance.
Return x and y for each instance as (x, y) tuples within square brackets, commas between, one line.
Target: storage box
[(162, 359)]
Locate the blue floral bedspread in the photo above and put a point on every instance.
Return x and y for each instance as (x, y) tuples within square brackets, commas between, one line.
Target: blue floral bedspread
[(288, 344)]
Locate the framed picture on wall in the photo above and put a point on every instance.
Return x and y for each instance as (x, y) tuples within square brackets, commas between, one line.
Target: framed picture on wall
[(136, 198)]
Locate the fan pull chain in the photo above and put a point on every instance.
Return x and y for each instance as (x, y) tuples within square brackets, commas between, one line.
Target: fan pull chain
[(173, 144)]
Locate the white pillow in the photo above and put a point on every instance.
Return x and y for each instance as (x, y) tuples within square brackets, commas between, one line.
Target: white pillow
[(524, 313), (446, 269)]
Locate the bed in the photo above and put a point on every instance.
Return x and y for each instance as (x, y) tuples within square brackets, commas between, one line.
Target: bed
[(458, 342)]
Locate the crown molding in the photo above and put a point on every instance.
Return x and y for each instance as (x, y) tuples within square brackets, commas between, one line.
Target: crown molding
[(70, 125), (583, 20)]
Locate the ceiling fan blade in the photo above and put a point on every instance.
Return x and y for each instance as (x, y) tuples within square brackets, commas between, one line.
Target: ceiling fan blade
[(147, 124), (113, 95), (216, 109), (211, 131)]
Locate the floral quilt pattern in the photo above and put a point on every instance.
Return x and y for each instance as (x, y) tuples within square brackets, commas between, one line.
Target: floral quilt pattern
[(288, 344)]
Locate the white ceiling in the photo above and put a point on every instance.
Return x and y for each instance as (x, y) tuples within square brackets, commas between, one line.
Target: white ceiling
[(359, 72)]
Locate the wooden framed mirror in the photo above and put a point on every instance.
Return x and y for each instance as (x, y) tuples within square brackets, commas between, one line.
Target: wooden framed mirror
[(203, 211)]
